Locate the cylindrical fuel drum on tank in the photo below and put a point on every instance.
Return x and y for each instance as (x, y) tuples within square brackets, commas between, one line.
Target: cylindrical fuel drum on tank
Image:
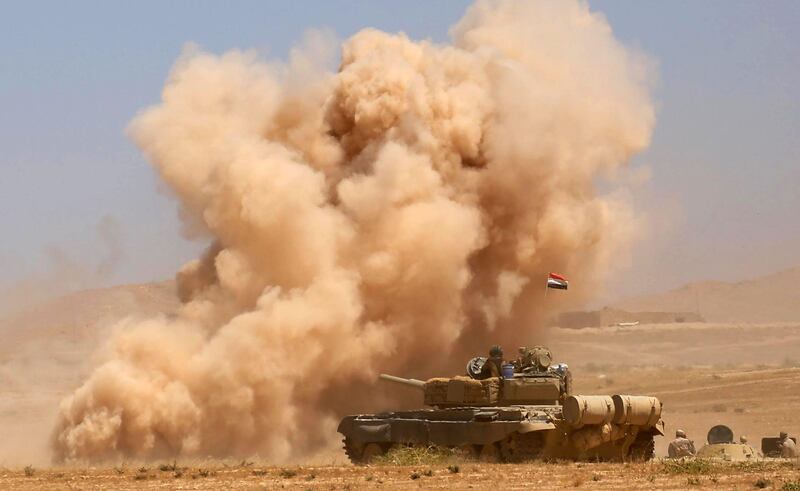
[(636, 410), (588, 410)]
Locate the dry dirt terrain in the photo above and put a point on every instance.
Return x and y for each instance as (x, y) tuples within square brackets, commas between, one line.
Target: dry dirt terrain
[(745, 375), (655, 475)]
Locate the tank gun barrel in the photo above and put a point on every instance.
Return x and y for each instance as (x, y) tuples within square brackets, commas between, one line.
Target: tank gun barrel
[(419, 384)]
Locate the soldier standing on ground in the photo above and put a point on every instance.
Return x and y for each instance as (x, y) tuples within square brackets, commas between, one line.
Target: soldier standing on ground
[(493, 367), (681, 446), (787, 446)]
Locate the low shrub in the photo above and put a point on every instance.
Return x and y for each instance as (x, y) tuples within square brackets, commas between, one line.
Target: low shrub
[(761, 483), (688, 466), (418, 455)]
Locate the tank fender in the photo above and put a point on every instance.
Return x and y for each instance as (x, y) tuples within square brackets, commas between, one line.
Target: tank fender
[(485, 416), (528, 426), (367, 431), (658, 428)]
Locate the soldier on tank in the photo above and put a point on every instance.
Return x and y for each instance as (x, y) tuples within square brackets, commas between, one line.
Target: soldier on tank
[(787, 446), (743, 440), (681, 446), (493, 367), (523, 359)]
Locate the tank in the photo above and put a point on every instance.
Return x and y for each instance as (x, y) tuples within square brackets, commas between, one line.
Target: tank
[(529, 415), (721, 446)]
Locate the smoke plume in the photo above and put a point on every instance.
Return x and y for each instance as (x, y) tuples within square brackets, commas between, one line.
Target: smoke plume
[(395, 215)]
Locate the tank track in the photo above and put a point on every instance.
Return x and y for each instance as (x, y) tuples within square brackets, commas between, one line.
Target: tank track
[(643, 448), (521, 447), (517, 447), (362, 454), (352, 450)]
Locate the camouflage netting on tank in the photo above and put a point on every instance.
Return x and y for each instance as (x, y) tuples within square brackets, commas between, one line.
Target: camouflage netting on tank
[(461, 390)]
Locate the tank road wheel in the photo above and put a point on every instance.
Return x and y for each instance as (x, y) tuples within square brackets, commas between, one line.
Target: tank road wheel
[(521, 447), (363, 453), (371, 450), (489, 453), (470, 452), (643, 448)]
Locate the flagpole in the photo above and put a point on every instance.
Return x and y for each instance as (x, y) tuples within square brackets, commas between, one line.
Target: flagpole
[(545, 286)]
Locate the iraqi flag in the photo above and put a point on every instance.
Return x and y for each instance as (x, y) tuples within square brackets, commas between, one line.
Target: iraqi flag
[(557, 281)]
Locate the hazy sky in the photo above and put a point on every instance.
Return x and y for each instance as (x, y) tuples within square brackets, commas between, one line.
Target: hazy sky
[(722, 200)]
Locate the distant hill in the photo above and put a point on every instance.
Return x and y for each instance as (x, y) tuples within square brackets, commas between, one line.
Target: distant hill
[(79, 315), (770, 298)]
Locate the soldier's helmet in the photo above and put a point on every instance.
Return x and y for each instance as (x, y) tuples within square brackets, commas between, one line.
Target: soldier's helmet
[(496, 351), (680, 434), (784, 435), (742, 439)]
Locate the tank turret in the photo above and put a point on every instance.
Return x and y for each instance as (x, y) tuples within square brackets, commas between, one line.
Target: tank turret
[(531, 380)]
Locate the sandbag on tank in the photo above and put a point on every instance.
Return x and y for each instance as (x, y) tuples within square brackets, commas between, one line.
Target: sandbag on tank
[(456, 391)]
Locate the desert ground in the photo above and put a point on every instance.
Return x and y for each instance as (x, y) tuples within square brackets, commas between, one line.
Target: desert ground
[(247, 475), (745, 375)]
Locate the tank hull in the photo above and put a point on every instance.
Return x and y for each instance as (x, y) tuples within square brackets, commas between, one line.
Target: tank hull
[(506, 434)]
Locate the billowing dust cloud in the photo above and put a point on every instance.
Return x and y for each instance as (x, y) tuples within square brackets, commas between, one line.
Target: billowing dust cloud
[(397, 215)]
